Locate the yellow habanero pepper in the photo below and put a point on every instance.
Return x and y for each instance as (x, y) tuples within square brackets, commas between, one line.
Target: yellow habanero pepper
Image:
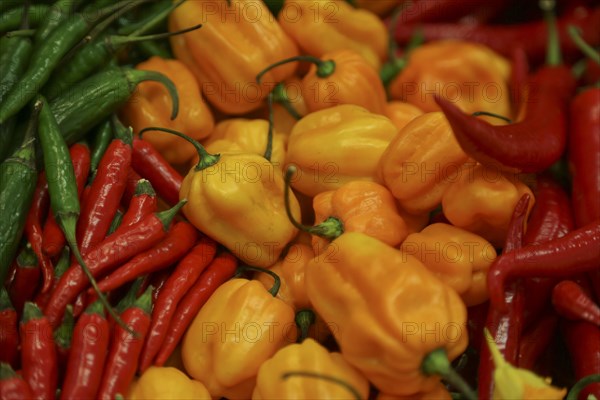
[(421, 161), (482, 201), (337, 145), (457, 257), (401, 113), (240, 327), (239, 38), (344, 27), (288, 106), (159, 383), (470, 75), (393, 316), (311, 357), (151, 104), (438, 393)]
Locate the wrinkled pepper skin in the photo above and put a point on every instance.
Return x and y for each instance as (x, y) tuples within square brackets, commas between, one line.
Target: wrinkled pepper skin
[(239, 135), (311, 357), (457, 257), (236, 42), (366, 207), (401, 113), (240, 327), (343, 26), (386, 302), (239, 203), (421, 162), (166, 383), (482, 201), (151, 106), (354, 81), (337, 145), (467, 74)]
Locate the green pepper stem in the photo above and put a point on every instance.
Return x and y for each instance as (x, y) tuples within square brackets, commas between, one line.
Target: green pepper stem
[(5, 303), (304, 319), (116, 42), (277, 280), (582, 45), (280, 96), (580, 385), (553, 54), (269, 149), (324, 68), (167, 216), (6, 372), (130, 297), (136, 76), (205, 158), (121, 132), (329, 229), (333, 379), (115, 223), (95, 308), (437, 363), (63, 262), (31, 311), (64, 333), (20, 33), (490, 114), (143, 187)]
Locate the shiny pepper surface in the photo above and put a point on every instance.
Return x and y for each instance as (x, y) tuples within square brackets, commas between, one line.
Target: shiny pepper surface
[(389, 310), (238, 39), (337, 145), (311, 357), (421, 161), (457, 257), (482, 201), (151, 105), (166, 383), (239, 203), (438, 393), (401, 113), (321, 26), (468, 74), (240, 327)]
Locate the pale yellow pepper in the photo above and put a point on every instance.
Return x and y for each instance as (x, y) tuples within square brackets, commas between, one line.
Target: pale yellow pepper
[(166, 383)]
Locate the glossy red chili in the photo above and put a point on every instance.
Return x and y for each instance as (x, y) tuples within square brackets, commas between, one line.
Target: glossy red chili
[(536, 340), (132, 179), (12, 385), (583, 342), (571, 301), (41, 299), (26, 281), (9, 339), (142, 203)]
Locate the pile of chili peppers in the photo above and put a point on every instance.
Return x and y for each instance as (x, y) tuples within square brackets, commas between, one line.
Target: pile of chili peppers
[(122, 253)]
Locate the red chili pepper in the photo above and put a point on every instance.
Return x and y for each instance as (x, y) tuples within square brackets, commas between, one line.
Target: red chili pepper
[(9, 335), (179, 240), (89, 349), (503, 38), (33, 228), (108, 254), (150, 164), (41, 299), (53, 236), (105, 192), (583, 342), (570, 301), (38, 353), (575, 253), (441, 10), (185, 275), (506, 325), (132, 179), (12, 385), (26, 281), (142, 203), (125, 349), (219, 271), (518, 79), (536, 340)]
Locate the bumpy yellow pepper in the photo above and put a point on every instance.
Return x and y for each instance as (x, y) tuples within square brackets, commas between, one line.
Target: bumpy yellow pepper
[(421, 161), (457, 257), (322, 26), (309, 356), (393, 315), (159, 383), (401, 113), (438, 393), (482, 201), (240, 327), (337, 145)]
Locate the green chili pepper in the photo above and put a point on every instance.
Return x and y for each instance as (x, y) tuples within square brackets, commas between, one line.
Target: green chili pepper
[(11, 19), (90, 101), (18, 176), (59, 11), (62, 187), (104, 135)]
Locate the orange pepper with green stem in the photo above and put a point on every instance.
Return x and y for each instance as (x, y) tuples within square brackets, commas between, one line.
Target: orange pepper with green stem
[(239, 38), (322, 26), (150, 106)]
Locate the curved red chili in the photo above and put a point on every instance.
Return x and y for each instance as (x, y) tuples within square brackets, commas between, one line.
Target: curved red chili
[(583, 341), (142, 203), (570, 301), (9, 339), (536, 340)]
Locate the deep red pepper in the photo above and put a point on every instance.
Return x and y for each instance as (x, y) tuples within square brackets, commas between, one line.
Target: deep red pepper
[(12, 385), (178, 241), (33, 228), (442, 10), (536, 340), (176, 287), (506, 325), (583, 342), (105, 192), (158, 280), (132, 179), (26, 281), (89, 349), (9, 335), (53, 237), (38, 353), (518, 79), (571, 301), (142, 203), (125, 349), (108, 254), (41, 299), (150, 164), (219, 271)]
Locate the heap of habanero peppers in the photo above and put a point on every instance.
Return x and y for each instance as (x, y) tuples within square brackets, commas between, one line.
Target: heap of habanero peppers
[(276, 199)]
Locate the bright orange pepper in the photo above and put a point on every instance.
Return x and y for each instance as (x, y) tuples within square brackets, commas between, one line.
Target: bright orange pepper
[(401, 113), (438, 393)]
